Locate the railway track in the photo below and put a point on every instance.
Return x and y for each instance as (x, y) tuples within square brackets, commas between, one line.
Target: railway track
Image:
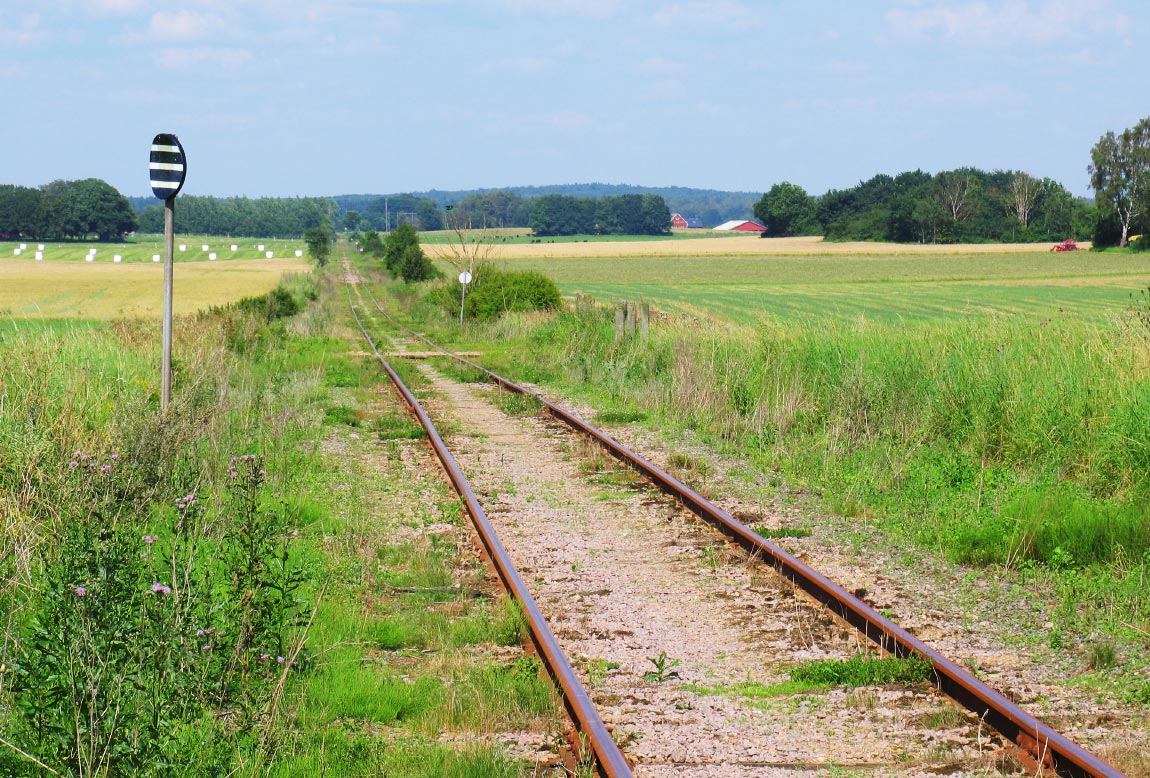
[(1041, 747)]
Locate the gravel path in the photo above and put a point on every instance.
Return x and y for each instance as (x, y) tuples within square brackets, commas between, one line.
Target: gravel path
[(624, 577)]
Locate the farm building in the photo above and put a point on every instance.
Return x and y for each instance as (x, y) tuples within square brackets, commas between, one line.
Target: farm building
[(680, 221), (741, 225)]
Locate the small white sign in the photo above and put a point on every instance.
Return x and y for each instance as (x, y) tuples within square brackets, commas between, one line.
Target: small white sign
[(212, 255), (155, 257), (269, 254), (465, 278), (298, 253), (39, 255), (117, 258), (234, 247)]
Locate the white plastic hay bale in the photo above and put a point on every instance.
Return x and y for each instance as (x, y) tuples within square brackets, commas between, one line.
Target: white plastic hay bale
[(212, 255), (16, 252), (235, 247), (269, 254), (90, 258), (260, 247), (40, 246), (117, 258), (92, 252), (39, 255), (204, 247), (298, 253), (183, 247), (155, 257), (23, 246)]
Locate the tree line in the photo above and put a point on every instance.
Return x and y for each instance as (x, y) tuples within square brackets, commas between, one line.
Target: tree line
[(65, 210), (263, 217), (966, 205), (629, 214)]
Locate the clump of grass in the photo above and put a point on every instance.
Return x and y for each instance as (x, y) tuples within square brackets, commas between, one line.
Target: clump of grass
[(620, 416), (397, 426), (784, 531), (1101, 655), (862, 670), (516, 404), (948, 717), (341, 414), (458, 371)]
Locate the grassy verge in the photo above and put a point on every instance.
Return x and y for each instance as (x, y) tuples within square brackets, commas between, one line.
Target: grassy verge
[(251, 583)]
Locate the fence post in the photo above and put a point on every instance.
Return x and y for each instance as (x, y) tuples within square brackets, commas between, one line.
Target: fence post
[(632, 315), (644, 319), (620, 319)]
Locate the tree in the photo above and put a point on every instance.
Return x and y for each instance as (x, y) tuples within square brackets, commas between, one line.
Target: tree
[(397, 243), (1120, 174), (351, 220), (372, 244), (319, 240), (787, 210), (429, 215), (415, 266), (1025, 192)]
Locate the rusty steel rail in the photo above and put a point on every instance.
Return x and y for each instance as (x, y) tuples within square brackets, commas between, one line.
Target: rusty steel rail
[(610, 761), (1045, 747)]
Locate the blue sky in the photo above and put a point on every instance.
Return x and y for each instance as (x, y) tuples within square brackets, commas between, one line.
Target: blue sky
[(286, 97)]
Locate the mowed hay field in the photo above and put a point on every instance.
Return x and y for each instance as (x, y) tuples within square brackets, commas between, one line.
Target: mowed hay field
[(742, 280), (70, 287)]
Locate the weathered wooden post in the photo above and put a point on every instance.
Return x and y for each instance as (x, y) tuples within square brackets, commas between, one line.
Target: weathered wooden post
[(644, 319), (632, 315), (620, 320)]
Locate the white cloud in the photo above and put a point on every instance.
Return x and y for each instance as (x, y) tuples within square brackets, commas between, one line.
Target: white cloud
[(719, 12), (984, 22), (184, 25), (599, 9), (222, 58)]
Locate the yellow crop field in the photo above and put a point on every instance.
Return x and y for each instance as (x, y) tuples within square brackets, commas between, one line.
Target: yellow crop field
[(736, 245), (82, 290)]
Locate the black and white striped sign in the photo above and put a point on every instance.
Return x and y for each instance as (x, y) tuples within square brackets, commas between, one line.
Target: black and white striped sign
[(167, 166)]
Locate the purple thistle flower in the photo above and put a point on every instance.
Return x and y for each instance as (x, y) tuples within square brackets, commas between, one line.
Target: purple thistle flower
[(80, 591), (148, 539), (105, 468), (159, 588), (208, 647), (73, 463), (280, 659)]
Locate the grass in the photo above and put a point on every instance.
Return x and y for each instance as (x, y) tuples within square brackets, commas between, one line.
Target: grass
[(405, 624)]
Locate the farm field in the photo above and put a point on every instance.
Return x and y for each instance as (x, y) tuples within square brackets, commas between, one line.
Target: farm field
[(143, 248), (82, 290), (893, 286)]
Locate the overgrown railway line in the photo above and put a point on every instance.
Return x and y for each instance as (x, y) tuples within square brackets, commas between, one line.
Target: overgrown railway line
[(1041, 745)]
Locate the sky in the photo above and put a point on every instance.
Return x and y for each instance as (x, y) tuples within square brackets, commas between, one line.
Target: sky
[(327, 97)]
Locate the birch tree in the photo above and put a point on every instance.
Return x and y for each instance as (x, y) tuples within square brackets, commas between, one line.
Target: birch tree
[(1120, 174)]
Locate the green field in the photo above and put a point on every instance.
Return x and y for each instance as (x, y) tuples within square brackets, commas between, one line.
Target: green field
[(743, 289), (143, 248)]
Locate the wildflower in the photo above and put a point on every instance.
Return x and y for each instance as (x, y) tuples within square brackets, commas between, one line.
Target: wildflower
[(105, 468), (159, 588), (265, 657), (80, 591), (208, 647), (148, 539), (73, 463), (115, 456), (199, 633), (280, 659)]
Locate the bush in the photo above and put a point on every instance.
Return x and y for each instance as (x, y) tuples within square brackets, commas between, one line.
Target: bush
[(494, 292)]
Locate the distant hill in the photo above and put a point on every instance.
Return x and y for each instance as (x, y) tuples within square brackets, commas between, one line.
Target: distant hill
[(707, 206)]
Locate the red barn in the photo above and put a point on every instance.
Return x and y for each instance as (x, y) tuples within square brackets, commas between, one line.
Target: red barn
[(681, 222), (741, 225)]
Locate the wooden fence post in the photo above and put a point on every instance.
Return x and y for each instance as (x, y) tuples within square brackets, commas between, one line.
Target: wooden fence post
[(644, 319), (620, 319), (632, 314)]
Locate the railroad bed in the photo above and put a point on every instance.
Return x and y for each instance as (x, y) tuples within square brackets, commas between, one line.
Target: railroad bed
[(681, 639)]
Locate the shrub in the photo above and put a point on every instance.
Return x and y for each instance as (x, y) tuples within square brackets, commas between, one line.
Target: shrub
[(494, 292)]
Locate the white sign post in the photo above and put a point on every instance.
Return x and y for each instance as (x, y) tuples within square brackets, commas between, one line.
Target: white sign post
[(464, 280)]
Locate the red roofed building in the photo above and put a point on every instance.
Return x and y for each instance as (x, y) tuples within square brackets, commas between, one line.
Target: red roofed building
[(741, 225)]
